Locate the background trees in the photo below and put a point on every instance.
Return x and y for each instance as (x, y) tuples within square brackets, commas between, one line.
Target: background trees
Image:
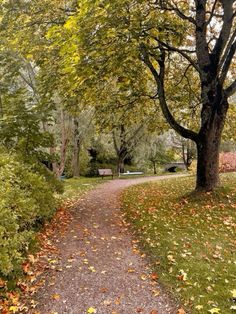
[(124, 59)]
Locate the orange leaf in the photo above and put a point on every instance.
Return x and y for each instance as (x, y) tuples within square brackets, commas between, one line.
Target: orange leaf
[(154, 276), (2, 283), (56, 297), (181, 311), (26, 267)]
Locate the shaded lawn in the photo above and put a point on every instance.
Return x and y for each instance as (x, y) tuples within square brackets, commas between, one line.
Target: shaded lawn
[(189, 238), (76, 187)]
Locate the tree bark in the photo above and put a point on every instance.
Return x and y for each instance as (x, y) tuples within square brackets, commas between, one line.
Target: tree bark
[(75, 159), (76, 150), (120, 165), (208, 164), (208, 148), (154, 168)]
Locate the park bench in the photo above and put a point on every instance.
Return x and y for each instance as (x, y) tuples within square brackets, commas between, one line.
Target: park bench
[(128, 173), (105, 172)]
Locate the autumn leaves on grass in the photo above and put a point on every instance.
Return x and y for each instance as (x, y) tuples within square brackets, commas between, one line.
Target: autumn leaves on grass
[(190, 239)]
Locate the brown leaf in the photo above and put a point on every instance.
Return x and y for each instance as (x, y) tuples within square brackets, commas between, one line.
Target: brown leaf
[(103, 290), (181, 311), (154, 312)]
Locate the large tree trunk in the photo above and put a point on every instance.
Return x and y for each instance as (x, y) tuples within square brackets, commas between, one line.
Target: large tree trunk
[(208, 163), (208, 146)]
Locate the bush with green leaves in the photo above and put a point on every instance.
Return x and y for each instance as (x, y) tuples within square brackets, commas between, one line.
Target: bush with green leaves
[(26, 200)]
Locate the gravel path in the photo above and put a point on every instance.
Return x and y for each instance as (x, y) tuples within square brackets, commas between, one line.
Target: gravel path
[(100, 269)]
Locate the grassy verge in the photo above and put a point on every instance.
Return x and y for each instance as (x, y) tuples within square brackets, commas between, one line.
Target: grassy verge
[(189, 238), (163, 173), (76, 187)]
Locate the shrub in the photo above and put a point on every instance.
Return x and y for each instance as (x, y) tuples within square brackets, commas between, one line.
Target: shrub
[(26, 199), (54, 183)]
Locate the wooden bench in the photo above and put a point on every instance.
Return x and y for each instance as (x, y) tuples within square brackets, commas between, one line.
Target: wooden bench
[(105, 172)]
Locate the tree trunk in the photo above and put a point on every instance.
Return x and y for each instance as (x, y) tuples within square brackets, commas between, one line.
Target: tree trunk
[(154, 168), (76, 150), (120, 165), (75, 160), (208, 149), (208, 165)]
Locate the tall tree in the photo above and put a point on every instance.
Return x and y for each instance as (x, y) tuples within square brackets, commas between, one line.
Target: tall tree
[(209, 48), (199, 34)]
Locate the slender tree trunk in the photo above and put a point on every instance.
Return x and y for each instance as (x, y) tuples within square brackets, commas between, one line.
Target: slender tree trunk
[(154, 168), (76, 150), (59, 167), (75, 160), (184, 155)]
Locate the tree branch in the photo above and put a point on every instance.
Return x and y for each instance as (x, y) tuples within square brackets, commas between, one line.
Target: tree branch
[(176, 9), (212, 12), (230, 42), (182, 52), (222, 40), (227, 63), (231, 89), (159, 78)]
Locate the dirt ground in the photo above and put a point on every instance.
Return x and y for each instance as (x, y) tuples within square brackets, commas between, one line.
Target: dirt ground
[(99, 268)]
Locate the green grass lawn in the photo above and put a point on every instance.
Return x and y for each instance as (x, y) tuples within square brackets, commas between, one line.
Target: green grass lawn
[(76, 187), (161, 173), (190, 239)]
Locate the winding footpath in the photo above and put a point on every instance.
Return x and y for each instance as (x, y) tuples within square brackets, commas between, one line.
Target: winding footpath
[(100, 268)]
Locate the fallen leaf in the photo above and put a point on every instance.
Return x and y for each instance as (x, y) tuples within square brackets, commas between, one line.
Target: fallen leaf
[(91, 310), (2, 283), (117, 301), (26, 267), (13, 309), (103, 290), (214, 310), (154, 276), (107, 302), (153, 312), (181, 311), (233, 293), (130, 270), (56, 296), (156, 293)]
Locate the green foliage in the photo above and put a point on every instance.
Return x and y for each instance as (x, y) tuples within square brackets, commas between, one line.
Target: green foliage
[(26, 200), (54, 183)]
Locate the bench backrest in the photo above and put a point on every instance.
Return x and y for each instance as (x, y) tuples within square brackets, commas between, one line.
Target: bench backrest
[(105, 172)]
